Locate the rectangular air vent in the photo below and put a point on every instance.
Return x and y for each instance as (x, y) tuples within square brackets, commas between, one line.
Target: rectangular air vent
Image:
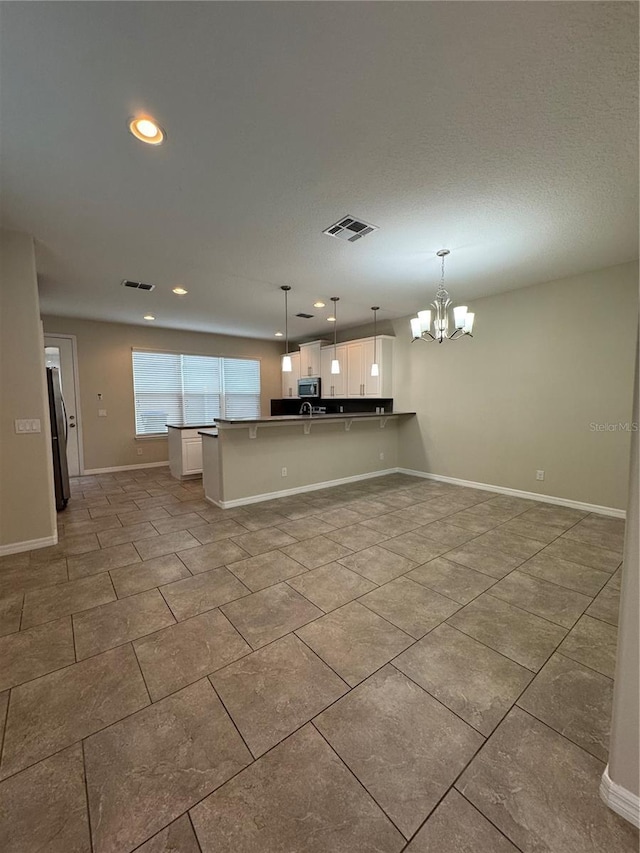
[(305, 316), (137, 285), (350, 229)]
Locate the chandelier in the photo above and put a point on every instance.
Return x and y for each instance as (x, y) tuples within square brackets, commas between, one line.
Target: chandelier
[(462, 319)]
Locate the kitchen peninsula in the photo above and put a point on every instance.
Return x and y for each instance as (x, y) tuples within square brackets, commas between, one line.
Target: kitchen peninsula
[(256, 459)]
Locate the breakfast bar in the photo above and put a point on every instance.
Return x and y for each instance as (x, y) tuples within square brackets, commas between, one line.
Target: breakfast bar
[(258, 459)]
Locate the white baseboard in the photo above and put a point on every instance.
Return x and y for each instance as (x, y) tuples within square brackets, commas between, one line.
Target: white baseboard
[(619, 799), (29, 545), (298, 490), (518, 493), (88, 471)]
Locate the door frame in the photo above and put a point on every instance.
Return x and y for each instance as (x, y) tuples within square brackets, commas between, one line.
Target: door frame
[(76, 385)]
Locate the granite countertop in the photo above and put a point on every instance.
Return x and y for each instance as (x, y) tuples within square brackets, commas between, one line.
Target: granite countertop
[(340, 416), (190, 426)]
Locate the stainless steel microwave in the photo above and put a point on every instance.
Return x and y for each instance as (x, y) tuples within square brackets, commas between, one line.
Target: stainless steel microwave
[(309, 387)]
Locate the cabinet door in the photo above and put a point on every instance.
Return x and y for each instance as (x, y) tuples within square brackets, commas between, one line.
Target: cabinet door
[(333, 384), (355, 362), (327, 386), (314, 359), (290, 380), (192, 455), (372, 384)]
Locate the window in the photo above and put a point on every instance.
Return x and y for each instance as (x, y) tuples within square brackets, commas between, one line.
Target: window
[(173, 387)]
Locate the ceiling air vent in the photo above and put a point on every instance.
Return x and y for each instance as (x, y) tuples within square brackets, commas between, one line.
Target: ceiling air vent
[(350, 229), (305, 316), (137, 285)]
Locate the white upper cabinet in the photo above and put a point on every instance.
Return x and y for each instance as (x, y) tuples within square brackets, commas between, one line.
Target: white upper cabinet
[(333, 384), (355, 369), (310, 359), (290, 380), (356, 358)]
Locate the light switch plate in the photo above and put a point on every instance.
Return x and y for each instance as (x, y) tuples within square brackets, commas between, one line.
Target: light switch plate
[(30, 425)]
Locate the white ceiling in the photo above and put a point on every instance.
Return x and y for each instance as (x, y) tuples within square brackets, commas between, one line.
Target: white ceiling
[(504, 131)]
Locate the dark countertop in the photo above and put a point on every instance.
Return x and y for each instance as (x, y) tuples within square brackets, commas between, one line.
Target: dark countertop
[(190, 426), (341, 416)]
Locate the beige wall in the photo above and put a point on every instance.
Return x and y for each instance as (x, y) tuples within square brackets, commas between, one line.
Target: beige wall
[(27, 506), (104, 367), (546, 361), (624, 751)]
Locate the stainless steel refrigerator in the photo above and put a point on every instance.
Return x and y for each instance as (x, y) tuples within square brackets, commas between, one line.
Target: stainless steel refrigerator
[(58, 416)]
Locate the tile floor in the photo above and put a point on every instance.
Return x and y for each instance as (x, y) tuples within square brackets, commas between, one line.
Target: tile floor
[(392, 665)]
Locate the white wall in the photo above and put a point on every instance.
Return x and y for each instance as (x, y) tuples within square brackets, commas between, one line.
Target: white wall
[(27, 505)]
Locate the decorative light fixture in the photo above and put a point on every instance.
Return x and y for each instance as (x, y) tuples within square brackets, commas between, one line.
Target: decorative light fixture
[(147, 130), (286, 358), (375, 368), (278, 334), (463, 319), (335, 364), (180, 291), (318, 304), (148, 317)]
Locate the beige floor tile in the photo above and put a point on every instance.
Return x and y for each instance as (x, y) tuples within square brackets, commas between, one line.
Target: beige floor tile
[(119, 622), (183, 653), (457, 827), (176, 523), (586, 555), (532, 529), (272, 692), (103, 560), (413, 608), (261, 541), (187, 507), (195, 595), (541, 791), (269, 614), (339, 517), (111, 509), (472, 680), (421, 513), (68, 546), (556, 516), (167, 543), (298, 797), (266, 569), (4, 707), (392, 524), (593, 643), (377, 564), (259, 519), (154, 502), (20, 578), (178, 837), (78, 528), (145, 771), (565, 573), (415, 547), (404, 747), (43, 605), (354, 641), (575, 701), (331, 586), (475, 522), (208, 532), (447, 534), (306, 528), (63, 707), (128, 519), (317, 551), (10, 613), (203, 558), (451, 579), (483, 558), (520, 547), (599, 530), (606, 605), (523, 637), (124, 535), (357, 536), (555, 603), (148, 574), (30, 654), (44, 808)]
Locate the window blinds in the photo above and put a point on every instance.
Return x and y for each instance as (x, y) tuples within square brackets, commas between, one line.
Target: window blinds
[(174, 387)]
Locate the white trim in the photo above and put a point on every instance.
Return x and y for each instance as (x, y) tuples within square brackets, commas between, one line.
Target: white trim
[(619, 799), (298, 490), (29, 545), (518, 493), (126, 468)]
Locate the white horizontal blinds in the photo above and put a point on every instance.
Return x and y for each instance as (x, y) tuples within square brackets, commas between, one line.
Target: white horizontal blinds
[(241, 388), (201, 378), (157, 388), (170, 387)]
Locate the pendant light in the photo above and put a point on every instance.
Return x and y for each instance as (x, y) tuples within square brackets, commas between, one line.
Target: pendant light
[(375, 368), (286, 358), (462, 319), (335, 364)]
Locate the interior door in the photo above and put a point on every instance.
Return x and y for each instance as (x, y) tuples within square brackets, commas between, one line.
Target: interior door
[(59, 352)]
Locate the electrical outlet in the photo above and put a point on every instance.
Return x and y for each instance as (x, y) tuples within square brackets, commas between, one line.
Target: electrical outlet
[(139, 451), (539, 475), (382, 457), (284, 472), (102, 413)]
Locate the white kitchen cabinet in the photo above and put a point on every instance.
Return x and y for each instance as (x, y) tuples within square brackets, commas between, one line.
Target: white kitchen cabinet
[(359, 358), (355, 369), (185, 452), (333, 384), (310, 356), (290, 380)]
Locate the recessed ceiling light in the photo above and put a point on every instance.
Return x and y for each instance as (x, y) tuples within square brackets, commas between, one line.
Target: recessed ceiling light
[(146, 130), (278, 334), (331, 319), (318, 304), (180, 291), (148, 317)]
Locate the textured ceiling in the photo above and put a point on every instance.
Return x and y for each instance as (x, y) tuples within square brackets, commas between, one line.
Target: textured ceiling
[(505, 131)]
